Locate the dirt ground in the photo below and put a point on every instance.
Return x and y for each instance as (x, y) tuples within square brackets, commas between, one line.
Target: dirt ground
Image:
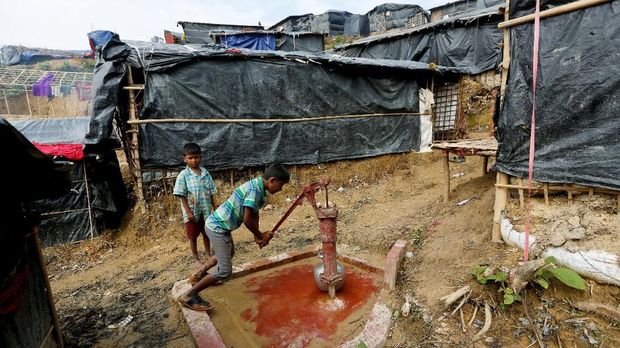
[(113, 290)]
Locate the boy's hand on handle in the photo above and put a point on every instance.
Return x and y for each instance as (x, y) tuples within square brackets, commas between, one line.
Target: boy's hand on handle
[(264, 240)]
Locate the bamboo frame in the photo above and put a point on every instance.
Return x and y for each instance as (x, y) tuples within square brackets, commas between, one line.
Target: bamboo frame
[(570, 7), (90, 212), (28, 100), (48, 287), (567, 188), (134, 147), (269, 120), (6, 102)]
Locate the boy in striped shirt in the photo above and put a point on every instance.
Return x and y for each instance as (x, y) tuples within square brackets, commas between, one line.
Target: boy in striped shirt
[(241, 207)]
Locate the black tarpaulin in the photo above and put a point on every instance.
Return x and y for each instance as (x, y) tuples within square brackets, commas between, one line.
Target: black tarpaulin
[(208, 82), (470, 41), (577, 109)]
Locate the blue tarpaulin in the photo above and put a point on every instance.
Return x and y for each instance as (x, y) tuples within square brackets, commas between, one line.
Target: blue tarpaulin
[(254, 41), (98, 38)]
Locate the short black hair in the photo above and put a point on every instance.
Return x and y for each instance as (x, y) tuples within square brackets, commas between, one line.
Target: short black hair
[(277, 171), (191, 149)]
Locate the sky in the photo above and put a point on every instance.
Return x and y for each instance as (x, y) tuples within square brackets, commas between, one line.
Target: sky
[(63, 24)]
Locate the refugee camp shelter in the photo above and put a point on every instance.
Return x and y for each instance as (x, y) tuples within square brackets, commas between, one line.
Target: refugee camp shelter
[(199, 33), (271, 40), (32, 93), (249, 108), (470, 42), (383, 17), (97, 197), (576, 135), (27, 314)]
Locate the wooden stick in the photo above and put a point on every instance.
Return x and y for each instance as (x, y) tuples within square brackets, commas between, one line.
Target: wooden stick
[(232, 177), (6, 102), (501, 198), (473, 316), (570, 197), (28, 101), (266, 120), (487, 321), (90, 212), (453, 297), (163, 179), (571, 7), (485, 164), (446, 176), (560, 188), (135, 147), (521, 196), (546, 190), (48, 287), (506, 55)]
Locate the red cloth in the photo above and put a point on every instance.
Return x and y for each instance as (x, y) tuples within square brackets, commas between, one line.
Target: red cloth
[(71, 152)]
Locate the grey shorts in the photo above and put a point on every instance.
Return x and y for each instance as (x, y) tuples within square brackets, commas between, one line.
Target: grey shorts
[(224, 248)]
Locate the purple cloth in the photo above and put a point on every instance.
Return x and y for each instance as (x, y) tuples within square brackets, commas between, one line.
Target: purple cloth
[(43, 87)]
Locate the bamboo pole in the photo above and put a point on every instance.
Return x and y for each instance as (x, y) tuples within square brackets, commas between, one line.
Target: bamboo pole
[(558, 188), (6, 102), (48, 287), (446, 177), (485, 164), (90, 211), (501, 199), (28, 101), (546, 190), (135, 149), (570, 7), (506, 55), (521, 195), (268, 120)]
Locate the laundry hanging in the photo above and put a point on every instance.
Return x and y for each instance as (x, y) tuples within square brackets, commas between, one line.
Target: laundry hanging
[(43, 87)]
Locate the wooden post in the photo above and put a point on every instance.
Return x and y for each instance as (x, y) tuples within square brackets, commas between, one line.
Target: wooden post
[(506, 54), (90, 211), (163, 179), (135, 149), (446, 176), (521, 196), (501, 199), (6, 102), (570, 196), (485, 164), (570, 7), (618, 204), (232, 178), (546, 191), (48, 287), (28, 101)]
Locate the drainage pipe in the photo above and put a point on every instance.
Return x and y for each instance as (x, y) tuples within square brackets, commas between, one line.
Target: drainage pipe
[(596, 264)]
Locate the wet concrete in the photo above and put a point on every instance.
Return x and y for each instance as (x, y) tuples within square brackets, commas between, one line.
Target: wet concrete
[(283, 307)]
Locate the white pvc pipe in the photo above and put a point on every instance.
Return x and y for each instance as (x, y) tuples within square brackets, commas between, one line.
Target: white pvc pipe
[(600, 265)]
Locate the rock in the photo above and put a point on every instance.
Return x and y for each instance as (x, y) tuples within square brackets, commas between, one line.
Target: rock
[(268, 207), (341, 189)]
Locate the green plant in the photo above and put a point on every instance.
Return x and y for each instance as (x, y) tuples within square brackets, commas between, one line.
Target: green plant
[(563, 274), (542, 277), (499, 277), (361, 345)]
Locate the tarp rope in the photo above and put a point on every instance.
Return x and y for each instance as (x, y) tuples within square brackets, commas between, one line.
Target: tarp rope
[(526, 248)]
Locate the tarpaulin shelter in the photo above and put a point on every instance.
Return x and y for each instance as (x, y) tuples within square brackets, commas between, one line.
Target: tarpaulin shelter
[(249, 108), (27, 314), (577, 110), (14, 55), (470, 41), (576, 126), (272, 40), (200, 33), (97, 198), (383, 17)]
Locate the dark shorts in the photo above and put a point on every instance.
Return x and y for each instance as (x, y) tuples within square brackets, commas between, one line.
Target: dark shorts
[(194, 229)]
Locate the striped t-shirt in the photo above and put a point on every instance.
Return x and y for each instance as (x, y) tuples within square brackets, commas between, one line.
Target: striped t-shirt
[(229, 216)]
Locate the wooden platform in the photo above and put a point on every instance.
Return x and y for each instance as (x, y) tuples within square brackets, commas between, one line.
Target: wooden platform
[(484, 147)]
